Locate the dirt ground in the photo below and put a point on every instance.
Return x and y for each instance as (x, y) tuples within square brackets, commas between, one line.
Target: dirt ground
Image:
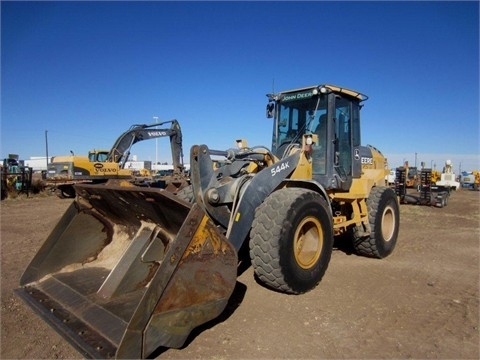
[(422, 302)]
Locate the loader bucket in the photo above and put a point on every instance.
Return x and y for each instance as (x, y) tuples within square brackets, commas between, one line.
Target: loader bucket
[(128, 270)]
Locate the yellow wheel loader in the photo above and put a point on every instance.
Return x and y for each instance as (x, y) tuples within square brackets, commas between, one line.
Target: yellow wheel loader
[(128, 270)]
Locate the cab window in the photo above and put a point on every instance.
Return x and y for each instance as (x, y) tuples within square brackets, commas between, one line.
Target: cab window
[(343, 136)]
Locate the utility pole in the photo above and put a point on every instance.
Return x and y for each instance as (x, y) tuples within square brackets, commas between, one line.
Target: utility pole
[(46, 146)]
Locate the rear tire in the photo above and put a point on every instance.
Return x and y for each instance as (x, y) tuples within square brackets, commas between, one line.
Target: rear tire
[(291, 240), (384, 218)]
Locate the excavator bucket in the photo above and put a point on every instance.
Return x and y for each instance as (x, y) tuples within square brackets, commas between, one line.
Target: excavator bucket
[(128, 270)]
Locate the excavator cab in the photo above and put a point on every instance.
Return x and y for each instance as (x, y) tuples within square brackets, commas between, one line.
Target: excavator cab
[(330, 114), (97, 155)]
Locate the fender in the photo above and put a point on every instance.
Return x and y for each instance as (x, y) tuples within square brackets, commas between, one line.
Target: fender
[(256, 191), (310, 185)]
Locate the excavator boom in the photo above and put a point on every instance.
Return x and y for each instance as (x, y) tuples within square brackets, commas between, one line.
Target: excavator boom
[(120, 150)]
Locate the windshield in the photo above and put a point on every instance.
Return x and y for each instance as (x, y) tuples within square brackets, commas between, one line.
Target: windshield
[(97, 156), (298, 117)]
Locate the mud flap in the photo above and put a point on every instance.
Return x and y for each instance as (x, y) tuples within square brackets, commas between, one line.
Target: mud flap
[(127, 270)]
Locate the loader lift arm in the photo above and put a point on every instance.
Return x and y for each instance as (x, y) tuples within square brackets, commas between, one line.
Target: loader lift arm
[(120, 151)]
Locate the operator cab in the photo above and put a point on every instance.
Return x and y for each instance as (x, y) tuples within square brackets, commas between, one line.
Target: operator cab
[(97, 155), (333, 114)]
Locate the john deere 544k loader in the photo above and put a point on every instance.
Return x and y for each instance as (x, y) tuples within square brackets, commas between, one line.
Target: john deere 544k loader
[(128, 269)]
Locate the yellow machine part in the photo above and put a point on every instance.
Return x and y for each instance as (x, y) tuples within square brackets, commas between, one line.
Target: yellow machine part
[(476, 173), (373, 175)]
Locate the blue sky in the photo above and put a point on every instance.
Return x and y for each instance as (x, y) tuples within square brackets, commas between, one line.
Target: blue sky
[(86, 71)]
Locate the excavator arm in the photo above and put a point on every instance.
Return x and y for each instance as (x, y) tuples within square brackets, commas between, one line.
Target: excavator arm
[(121, 149)]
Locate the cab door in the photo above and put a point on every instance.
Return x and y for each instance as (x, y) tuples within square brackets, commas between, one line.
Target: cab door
[(343, 143)]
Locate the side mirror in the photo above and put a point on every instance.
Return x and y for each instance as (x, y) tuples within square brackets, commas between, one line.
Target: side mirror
[(270, 110)]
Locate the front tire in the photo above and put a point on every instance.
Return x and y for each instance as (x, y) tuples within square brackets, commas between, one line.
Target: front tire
[(384, 219), (291, 240)]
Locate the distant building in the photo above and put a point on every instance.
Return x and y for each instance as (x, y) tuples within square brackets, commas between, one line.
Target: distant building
[(157, 167), (138, 165), (37, 163)]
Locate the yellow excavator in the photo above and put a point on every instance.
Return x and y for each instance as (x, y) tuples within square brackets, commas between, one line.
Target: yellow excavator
[(64, 172), (128, 270)]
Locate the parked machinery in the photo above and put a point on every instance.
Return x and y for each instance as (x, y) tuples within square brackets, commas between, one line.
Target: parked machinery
[(448, 178), (411, 179), (15, 177), (476, 182), (103, 165), (429, 193), (470, 179)]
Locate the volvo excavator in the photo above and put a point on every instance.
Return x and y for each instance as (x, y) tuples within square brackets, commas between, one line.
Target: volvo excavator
[(128, 270), (64, 172)]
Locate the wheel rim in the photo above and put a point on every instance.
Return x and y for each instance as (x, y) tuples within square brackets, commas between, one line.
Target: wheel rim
[(308, 242), (388, 223)]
